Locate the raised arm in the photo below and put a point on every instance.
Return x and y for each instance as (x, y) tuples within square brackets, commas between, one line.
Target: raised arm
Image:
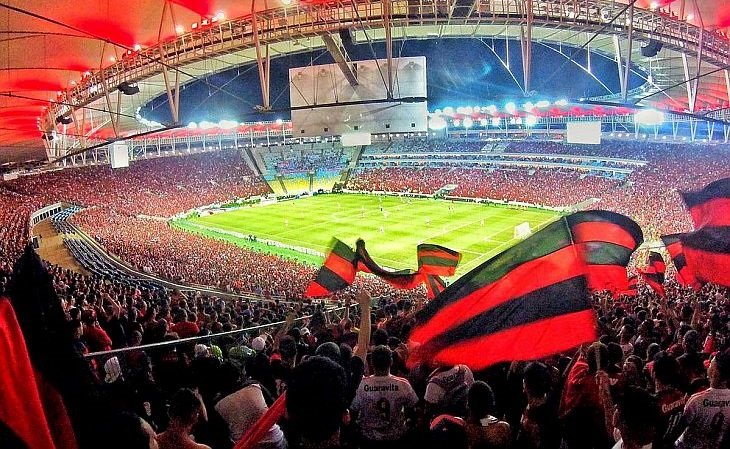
[(363, 337)]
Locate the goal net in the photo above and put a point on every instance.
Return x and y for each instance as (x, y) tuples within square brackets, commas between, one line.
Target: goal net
[(522, 230)]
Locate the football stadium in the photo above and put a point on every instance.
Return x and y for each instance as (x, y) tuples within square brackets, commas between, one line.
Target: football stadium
[(371, 224)]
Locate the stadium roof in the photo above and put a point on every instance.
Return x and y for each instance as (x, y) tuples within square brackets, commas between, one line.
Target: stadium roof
[(47, 47)]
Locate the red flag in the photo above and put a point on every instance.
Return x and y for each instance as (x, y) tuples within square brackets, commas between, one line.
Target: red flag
[(21, 409), (707, 250), (653, 274), (519, 305)]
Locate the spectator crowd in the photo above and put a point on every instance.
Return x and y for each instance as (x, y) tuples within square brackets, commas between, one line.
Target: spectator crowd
[(657, 377)]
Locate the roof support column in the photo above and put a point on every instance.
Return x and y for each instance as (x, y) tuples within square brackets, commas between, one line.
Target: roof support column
[(262, 60), (625, 79), (339, 54), (388, 45), (173, 100), (526, 44), (619, 64)]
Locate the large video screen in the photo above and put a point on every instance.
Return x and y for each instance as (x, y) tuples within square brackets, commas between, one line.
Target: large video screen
[(326, 85)]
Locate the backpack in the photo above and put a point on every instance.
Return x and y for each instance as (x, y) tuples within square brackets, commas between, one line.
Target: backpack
[(455, 391)]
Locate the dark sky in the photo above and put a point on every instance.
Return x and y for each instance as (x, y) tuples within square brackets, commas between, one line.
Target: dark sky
[(460, 72)]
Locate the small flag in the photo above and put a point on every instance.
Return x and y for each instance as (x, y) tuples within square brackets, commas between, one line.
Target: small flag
[(653, 274), (337, 273), (607, 239), (707, 250), (342, 264), (527, 302), (633, 288), (684, 276)]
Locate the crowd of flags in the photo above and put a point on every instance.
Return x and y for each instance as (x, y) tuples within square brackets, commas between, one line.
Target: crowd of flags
[(530, 301)]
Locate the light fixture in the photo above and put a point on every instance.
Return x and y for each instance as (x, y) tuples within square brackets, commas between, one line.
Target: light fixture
[(73, 83), (192, 125), (437, 123), (286, 2), (650, 117), (128, 88), (492, 109), (137, 47), (468, 122), (510, 107), (220, 15), (179, 29), (227, 124), (561, 102), (542, 104), (113, 59), (530, 120), (690, 16)]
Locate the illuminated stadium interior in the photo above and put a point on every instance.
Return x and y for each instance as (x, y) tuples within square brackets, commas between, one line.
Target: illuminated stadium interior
[(365, 224)]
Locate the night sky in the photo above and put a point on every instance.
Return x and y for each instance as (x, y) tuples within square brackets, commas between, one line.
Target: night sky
[(460, 72)]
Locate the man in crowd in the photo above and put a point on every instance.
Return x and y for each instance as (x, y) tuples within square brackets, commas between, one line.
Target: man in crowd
[(706, 418), (315, 404), (382, 403)]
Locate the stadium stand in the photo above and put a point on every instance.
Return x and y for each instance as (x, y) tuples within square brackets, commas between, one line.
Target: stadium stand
[(648, 343)]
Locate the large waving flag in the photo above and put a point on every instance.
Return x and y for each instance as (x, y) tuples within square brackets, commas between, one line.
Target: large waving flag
[(653, 274), (607, 240), (707, 250), (22, 416), (530, 301), (39, 364), (684, 276), (342, 264)]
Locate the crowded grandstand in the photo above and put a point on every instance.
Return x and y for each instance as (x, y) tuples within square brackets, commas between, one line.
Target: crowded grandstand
[(545, 273)]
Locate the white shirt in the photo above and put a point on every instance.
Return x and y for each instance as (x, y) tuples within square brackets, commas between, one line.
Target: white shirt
[(707, 415), (381, 401), (435, 394), (620, 445), (241, 410)]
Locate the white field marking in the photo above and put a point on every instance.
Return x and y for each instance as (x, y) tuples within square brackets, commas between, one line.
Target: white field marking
[(328, 222), (450, 230), (497, 250)]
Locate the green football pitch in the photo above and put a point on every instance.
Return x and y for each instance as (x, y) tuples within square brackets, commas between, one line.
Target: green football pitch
[(391, 226)]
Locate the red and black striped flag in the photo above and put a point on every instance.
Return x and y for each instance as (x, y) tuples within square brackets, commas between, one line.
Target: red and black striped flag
[(527, 302), (45, 385), (711, 205), (607, 239), (653, 274), (343, 263), (633, 289), (707, 250), (684, 276), (434, 261), (338, 271)]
